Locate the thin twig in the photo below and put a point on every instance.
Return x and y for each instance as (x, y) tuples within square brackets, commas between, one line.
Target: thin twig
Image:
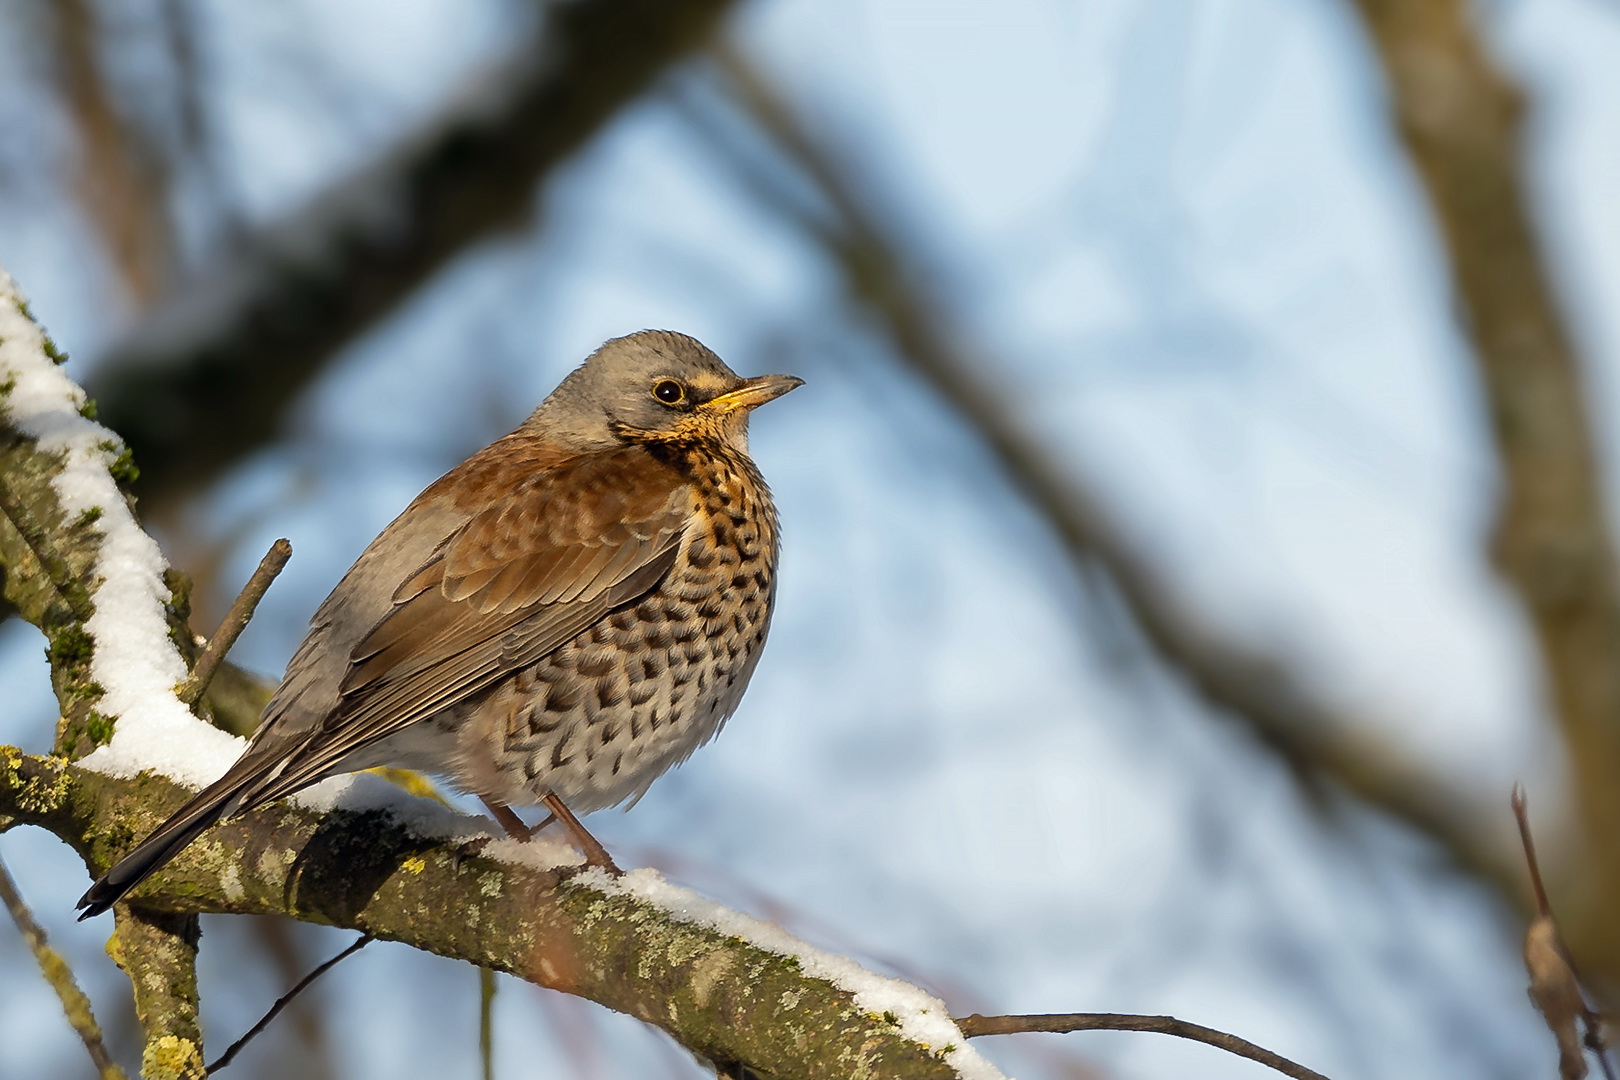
[(486, 1021), (1521, 815), (236, 621), (285, 999), (976, 1025), (1555, 983), (60, 976)]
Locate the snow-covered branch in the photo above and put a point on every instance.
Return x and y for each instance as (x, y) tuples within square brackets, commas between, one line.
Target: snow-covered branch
[(356, 851), (78, 565), (727, 986)]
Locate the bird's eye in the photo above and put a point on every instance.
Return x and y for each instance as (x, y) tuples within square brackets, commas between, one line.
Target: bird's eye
[(669, 391)]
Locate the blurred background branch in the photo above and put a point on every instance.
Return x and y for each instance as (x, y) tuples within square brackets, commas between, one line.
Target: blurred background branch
[(60, 977), (1461, 121), (205, 377), (118, 178), (1328, 748)]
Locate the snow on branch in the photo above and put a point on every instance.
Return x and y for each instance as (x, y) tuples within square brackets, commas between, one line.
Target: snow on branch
[(357, 852), (74, 502), (728, 987)]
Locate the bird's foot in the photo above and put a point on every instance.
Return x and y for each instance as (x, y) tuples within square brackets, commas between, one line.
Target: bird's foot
[(595, 854), (462, 852)]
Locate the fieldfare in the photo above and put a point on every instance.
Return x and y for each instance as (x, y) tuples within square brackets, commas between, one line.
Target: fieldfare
[(559, 619)]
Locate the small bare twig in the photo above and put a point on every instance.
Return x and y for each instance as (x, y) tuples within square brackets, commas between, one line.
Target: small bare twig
[(60, 976), (976, 1025), (236, 621), (1555, 985), (1522, 815), (486, 1021), (284, 1000)]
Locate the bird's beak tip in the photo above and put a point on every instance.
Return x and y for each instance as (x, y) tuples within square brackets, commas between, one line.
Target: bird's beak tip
[(775, 385), (757, 391)]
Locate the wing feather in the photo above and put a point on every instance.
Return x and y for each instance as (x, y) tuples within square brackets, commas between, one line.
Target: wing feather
[(502, 560), (520, 577), (417, 695)]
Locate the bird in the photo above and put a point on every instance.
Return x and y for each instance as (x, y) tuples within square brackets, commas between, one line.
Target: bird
[(558, 620)]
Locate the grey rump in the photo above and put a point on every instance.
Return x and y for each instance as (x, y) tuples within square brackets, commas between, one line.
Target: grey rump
[(571, 611)]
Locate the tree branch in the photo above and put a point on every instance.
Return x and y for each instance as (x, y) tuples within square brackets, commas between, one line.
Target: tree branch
[(50, 552), (37, 538), (1460, 118), (486, 1022), (976, 1025), (235, 621), (119, 179), (62, 474), (632, 945), (207, 378), (158, 951)]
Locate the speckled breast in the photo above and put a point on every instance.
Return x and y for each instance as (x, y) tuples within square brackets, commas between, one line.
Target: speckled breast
[(601, 717)]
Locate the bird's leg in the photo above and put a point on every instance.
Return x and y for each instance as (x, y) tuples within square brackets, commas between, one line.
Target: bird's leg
[(595, 853), (509, 821)]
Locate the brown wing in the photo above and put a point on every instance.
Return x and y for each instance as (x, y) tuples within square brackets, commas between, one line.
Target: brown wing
[(561, 547)]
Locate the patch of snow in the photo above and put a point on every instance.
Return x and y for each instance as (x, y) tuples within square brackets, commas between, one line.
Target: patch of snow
[(134, 662), (435, 821), (921, 1017)]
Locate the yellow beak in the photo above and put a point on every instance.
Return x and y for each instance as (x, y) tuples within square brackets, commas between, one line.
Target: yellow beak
[(754, 393)]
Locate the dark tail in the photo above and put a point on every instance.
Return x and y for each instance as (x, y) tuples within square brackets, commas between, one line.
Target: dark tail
[(187, 823)]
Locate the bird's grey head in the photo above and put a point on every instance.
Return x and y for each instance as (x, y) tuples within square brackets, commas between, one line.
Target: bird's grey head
[(655, 385)]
